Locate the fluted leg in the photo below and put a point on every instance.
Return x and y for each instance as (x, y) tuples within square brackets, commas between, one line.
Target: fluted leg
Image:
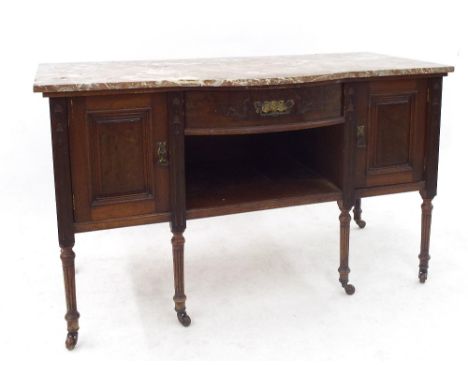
[(179, 296), (345, 219), (426, 209), (68, 263), (357, 211)]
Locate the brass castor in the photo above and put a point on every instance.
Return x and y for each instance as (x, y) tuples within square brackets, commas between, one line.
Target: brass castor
[(361, 223), (72, 339), (184, 318), (422, 276), (349, 289)]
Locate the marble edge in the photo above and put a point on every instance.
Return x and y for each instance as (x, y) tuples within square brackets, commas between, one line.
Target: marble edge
[(199, 83)]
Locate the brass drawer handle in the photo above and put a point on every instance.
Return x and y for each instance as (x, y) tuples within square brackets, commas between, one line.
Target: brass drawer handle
[(274, 107), (162, 153)]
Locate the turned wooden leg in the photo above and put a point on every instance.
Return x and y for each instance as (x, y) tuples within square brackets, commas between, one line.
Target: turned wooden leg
[(426, 209), (179, 296), (345, 219), (357, 211), (68, 263)]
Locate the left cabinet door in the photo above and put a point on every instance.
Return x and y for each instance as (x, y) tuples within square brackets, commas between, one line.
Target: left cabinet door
[(115, 161)]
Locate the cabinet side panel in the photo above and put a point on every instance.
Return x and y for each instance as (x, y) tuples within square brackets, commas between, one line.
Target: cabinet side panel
[(322, 149), (348, 158), (62, 177), (160, 136), (176, 115), (433, 136)]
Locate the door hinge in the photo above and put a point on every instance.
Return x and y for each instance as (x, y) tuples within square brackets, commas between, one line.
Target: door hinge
[(73, 201), (427, 95)]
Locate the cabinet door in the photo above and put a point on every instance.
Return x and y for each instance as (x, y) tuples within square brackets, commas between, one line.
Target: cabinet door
[(390, 133), (115, 168)]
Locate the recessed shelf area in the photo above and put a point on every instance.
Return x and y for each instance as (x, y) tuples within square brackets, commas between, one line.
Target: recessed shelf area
[(247, 173)]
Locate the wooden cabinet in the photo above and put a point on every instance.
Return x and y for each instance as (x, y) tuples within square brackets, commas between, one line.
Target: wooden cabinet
[(118, 156), (390, 132), (137, 143)]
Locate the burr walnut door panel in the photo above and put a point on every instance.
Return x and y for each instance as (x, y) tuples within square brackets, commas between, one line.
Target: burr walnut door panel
[(118, 159), (390, 132)]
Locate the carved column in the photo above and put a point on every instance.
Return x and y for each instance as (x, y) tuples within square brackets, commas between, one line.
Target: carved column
[(179, 296), (345, 219), (64, 205), (348, 199), (426, 209), (434, 105), (177, 196), (68, 264)]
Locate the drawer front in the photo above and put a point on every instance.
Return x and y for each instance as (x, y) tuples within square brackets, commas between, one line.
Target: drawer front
[(249, 108)]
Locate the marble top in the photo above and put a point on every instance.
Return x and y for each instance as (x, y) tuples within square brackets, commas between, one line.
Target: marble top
[(225, 72)]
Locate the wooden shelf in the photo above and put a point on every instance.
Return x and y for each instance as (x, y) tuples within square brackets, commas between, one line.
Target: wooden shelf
[(272, 128), (225, 187)]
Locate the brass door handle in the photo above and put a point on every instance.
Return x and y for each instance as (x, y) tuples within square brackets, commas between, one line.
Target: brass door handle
[(161, 153)]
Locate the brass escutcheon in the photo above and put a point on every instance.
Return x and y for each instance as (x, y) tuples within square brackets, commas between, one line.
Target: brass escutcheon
[(360, 136), (162, 153)]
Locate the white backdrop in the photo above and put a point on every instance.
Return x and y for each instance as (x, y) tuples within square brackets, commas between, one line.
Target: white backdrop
[(267, 293)]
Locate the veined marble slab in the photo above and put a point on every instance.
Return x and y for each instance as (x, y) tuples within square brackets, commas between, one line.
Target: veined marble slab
[(223, 72)]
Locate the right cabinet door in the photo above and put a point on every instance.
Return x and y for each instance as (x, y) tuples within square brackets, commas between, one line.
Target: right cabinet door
[(390, 132)]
